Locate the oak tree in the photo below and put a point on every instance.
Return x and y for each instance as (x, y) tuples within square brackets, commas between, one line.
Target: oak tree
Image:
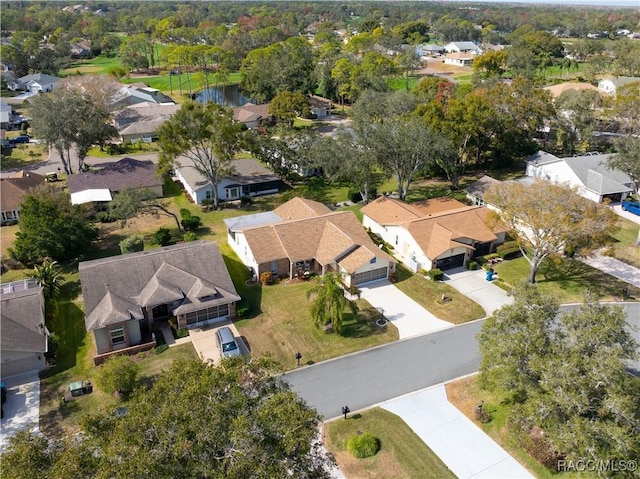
[(549, 220), (202, 137)]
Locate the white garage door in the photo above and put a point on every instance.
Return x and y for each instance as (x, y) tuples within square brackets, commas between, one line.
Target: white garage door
[(372, 275)]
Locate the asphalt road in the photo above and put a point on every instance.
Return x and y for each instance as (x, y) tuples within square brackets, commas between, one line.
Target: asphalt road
[(363, 379), (370, 377)]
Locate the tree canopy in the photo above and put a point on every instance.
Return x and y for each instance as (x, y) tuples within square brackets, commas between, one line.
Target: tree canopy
[(328, 303), (566, 374), (205, 136), (236, 420), (550, 220), (51, 227)]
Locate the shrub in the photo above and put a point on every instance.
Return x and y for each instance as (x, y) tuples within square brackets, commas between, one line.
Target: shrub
[(185, 213), (191, 223), (242, 309), (363, 445), (117, 374), (132, 244), (160, 349), (246, 200), (103, 217), (189, 236), (435, 274), (472, 265), (162, 236), (265, 278), (356, 197), (508, 250)]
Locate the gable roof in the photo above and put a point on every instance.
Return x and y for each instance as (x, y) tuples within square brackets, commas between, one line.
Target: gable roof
[(145, 111), (13, 189), (479, 187), (192, 276), (22, 320), (385, 210), (310, 230), (591, 170), (250, 112), (559, 89), (125, 173), (246, 171), (441, 232), (41, 78), (462, 46), (300, 208)]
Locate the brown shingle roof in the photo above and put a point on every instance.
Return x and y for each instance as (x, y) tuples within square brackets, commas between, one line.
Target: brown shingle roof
[(441, 232), (126, 173), (116, 288), (249, 112), (390, 211), (300, 208), (330, 237), (13, 189)]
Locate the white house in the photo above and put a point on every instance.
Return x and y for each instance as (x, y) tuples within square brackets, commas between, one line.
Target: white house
[(461, 47), (610, 85), (588, 173), (250, 178), (459, 59), (303, 237), (437, 233), (34, 83)]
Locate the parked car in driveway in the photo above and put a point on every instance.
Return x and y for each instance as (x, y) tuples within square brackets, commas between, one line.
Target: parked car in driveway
[(631, 207), (227, 343), (20, 139)]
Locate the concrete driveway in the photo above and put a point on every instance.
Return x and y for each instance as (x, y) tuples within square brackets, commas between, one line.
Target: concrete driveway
[(473, 284), (204, 341), (466, 450), (22, 409), (409, 317)]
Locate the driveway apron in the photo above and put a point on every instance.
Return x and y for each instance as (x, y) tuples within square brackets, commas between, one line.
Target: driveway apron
[(465, 449), (22, 409), (473, 284), (409, 317)]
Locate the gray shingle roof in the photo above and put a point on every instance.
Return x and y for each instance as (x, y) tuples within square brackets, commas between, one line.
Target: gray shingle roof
[(126, 173), (192, 276), (247, 171), (21, 317)]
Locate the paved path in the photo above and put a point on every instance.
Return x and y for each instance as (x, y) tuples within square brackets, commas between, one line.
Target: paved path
[(614, 267), (617, 208), (466, 450), (474, 285), (22, 409), (409, 317)]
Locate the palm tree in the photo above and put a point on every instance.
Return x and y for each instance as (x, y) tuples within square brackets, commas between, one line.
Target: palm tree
[(329, 303), (50, 277)]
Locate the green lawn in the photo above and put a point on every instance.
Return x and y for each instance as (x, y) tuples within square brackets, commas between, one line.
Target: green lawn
[(624, 243), (396, 84), (402, 453), (465, 394), (166, 83), (427, 293), (567, 280), (24, 155), (279, 323), (100, 65)]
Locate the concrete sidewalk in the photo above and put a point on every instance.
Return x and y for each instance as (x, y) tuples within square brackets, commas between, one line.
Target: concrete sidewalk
[(465, 449), (614, 267), (409, 317), (473, 284)]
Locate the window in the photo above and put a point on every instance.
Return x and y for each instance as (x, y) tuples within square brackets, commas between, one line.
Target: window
[(206, 314), (396, 240), (117, 335), (233, 192), (208, 194)]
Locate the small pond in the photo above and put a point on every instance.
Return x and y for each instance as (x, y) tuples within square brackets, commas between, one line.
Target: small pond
[(228, 96)]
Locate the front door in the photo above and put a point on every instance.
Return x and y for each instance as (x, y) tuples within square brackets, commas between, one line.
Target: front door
[(160, 312)]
